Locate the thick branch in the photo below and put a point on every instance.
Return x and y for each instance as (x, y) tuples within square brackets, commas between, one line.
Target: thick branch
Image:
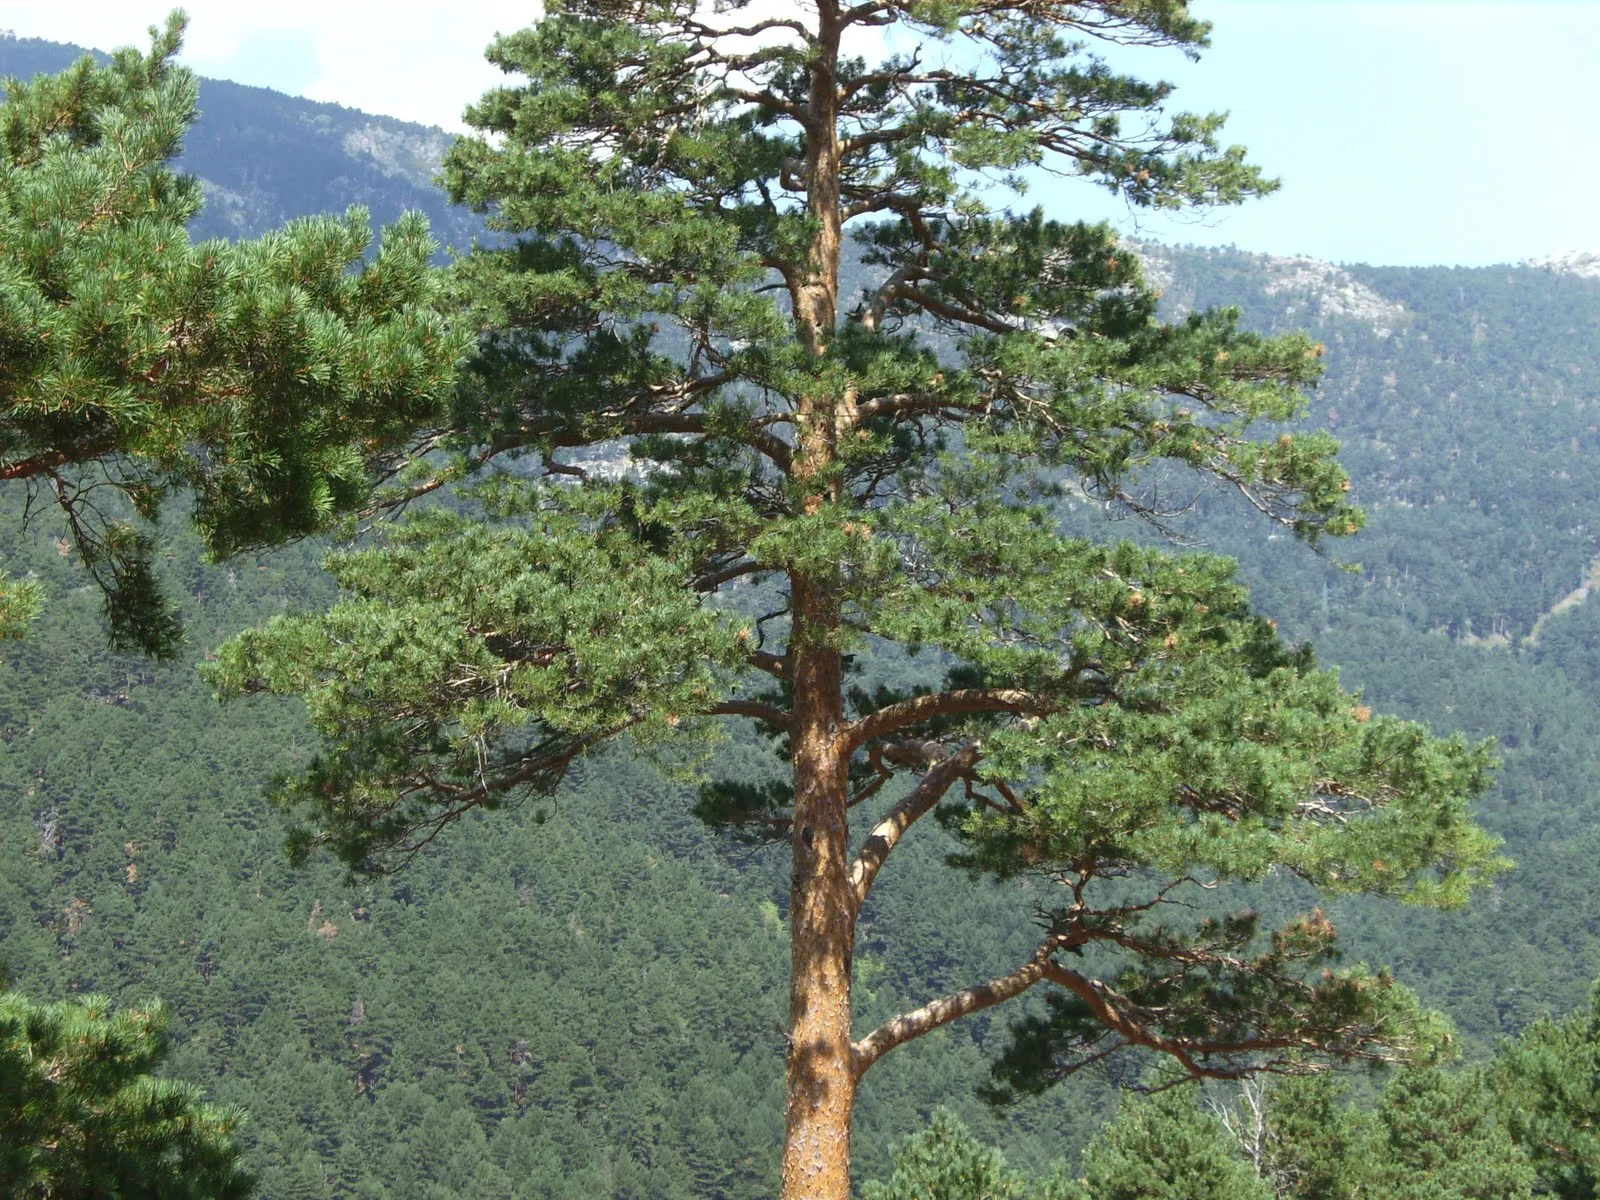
[(644, 423), (892, 289), (39, 464), (903, 404), (958, 314), (909, 1026), (887, 833), (710, 581), (772, 664), (755, 711), (898, 716), (774, 447), (760, 27)]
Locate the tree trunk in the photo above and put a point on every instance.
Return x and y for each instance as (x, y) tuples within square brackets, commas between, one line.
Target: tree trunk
[(817, 299), (821, 1075)]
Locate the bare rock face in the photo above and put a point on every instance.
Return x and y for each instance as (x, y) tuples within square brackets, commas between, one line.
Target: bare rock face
[(410, 152), (1585, 264), (1312, 288), (1331, 290)]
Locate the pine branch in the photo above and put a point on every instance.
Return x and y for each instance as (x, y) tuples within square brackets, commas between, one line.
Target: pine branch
[(905, 713), (766, 713), (938, 1013), (1123, 1018), (886, 835)]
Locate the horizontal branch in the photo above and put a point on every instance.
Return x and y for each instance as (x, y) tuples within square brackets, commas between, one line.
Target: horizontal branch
[(1116, 1014), (756, 437), (710, 581), (756, 711), (39, 464), (903, 404), (699, 29), (640, 424), (958, 314), (894, 717), (937, 1013)]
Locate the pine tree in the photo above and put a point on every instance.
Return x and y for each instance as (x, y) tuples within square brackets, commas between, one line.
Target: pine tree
[(1167, 1147), (823, 470), (1318, 1146), (81, 1116), (945, 1162), (1548, 1085), (271, 378), (1433, 1136), (1439, 1137)]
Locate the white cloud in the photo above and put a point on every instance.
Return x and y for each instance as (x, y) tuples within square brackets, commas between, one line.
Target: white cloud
[(405, 58)]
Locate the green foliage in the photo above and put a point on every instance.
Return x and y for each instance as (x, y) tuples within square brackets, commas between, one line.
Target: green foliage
[(1547, 1083), (1432, 1136), (270, 378), (616, 985), (945, 1162), (529, 645), (1167, 1147), (99, 752), (1314, 1145), (20, 601), (885, 473), (81, 1116), (1439, 1136)]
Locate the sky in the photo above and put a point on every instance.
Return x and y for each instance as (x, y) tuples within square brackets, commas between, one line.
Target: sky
[(1405, 133)]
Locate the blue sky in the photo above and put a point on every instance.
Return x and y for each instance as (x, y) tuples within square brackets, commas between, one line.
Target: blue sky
[(1405, 133), (1464, 133)]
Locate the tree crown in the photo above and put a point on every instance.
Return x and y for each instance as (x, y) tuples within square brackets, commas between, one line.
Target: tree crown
[(269, 378), (813, 473), (81, 1114)]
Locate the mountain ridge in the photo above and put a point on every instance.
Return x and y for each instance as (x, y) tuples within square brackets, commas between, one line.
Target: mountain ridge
[(1583, 263), (341, 156)]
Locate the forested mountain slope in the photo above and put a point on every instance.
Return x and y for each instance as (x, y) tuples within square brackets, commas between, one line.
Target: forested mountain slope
[(1468, 402), (264, 158), (585, 1000)]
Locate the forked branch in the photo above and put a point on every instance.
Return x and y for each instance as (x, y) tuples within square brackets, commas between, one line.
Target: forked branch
[(1201, 1058)]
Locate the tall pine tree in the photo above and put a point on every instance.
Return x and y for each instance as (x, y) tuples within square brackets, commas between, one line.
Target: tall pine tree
[(1167, 1147), (821, 469), (269, 379)]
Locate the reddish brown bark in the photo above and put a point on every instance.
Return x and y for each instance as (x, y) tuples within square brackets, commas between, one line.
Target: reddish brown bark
[(821, 1073)]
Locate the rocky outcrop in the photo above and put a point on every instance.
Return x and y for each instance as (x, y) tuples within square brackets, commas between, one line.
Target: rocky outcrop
[(1585, 264), (1312, 288)]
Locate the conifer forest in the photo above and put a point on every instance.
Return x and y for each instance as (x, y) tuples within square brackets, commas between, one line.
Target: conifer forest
[(704, 638)]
